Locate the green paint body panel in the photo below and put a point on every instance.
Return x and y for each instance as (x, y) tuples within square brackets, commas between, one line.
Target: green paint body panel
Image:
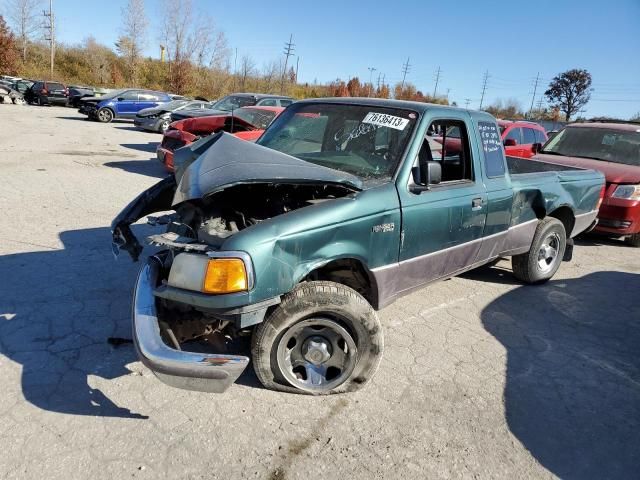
[(286, 248)]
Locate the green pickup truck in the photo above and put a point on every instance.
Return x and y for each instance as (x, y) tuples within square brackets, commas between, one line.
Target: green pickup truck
[(341, 207)]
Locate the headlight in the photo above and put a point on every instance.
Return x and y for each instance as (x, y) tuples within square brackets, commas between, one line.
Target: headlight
[(225, 275), (629, 192)]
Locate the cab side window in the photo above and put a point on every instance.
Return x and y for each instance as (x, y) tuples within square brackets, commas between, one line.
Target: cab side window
[(529, 136), (269, 102), (540, 136), (515, 134), (130, 95), (447, 143)]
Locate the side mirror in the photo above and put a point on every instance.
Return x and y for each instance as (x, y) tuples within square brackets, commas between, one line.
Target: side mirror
[(121, 99), (434, 173), (425, 175), (536, 147), (510, 142)]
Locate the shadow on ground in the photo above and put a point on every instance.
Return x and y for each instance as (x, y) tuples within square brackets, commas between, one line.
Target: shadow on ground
[(150, 167), (149, 147), (572, 394), (57, 310)]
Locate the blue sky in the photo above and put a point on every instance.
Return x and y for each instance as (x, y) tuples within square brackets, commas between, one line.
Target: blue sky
[(512, 40)]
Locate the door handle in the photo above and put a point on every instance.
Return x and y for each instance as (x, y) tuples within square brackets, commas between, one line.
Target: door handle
[(476, 204)]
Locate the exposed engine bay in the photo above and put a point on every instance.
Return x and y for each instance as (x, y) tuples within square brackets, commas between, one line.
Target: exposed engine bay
[(217, 217)]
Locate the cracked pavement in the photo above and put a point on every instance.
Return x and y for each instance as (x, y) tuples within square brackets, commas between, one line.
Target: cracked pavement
[(482, 377)]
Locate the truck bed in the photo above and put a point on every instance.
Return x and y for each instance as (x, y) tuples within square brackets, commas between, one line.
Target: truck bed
[(519, 166)]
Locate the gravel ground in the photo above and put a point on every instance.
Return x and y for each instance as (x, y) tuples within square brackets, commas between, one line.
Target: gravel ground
[(481, 377)]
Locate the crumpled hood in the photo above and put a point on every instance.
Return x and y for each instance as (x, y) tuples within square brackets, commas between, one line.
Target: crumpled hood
[(148, 112), (223, 160), (613, 172), (198, 112), (92, 99)]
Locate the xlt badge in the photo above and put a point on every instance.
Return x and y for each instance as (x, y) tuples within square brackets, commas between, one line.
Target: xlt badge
[(384, 227)]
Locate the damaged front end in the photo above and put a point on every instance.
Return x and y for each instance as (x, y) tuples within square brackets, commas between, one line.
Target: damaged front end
[(222, 186)]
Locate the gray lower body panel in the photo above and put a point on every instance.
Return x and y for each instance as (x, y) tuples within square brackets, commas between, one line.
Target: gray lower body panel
[(400, 278)]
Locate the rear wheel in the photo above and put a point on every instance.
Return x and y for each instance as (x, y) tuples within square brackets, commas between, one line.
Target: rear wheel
[(323, 338), (105, 115), (633, 240), (542, 261)]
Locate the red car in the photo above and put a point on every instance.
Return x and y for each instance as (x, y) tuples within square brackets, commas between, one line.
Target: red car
[(246, 123), (521, 139), (614, 149)]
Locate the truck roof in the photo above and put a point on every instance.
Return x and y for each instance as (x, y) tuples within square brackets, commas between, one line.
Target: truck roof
[(383, 102)]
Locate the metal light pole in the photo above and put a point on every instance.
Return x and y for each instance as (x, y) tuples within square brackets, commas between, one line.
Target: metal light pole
[(371, 70)]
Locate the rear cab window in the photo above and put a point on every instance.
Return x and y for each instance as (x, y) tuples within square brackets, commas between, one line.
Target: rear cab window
[(494, 161)]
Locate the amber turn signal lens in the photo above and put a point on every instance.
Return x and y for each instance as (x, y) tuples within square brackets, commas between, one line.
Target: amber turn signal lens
[(225, 275)]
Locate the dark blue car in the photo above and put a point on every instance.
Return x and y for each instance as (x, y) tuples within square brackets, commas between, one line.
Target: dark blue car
[(121, 104)]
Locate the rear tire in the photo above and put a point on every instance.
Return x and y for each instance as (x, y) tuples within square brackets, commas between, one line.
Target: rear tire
[(633, 240), (104, 115), (542, 261), (323, 338)]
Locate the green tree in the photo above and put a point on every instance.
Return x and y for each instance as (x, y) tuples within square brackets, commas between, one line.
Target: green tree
[(570, 91)]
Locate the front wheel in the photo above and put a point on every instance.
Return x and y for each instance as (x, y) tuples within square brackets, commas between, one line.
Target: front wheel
[(105, 115), (323, 338), (164, 125), (542, 261), (633, 240)]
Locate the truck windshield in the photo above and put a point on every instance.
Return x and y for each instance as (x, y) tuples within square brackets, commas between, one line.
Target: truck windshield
[(366, 141), (607, 144)]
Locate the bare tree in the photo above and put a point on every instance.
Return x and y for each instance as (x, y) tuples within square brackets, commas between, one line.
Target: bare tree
[(190, 39), (247, 69), (271, 73), (133, 37), (24, 16)]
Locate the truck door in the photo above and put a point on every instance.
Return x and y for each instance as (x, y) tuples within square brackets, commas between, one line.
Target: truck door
[(442, 227), (126, 102), (498, 185)]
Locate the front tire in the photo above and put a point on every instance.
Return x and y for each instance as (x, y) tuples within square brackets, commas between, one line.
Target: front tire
[(323, 338), (104, 115), (542, 261), (633, 240), (164, 125)]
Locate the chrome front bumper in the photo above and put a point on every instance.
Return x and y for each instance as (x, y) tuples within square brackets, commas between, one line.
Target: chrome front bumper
[(188, 370)]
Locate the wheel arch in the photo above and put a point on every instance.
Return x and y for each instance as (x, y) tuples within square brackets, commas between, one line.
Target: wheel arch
[(349, 271), (566, 215)]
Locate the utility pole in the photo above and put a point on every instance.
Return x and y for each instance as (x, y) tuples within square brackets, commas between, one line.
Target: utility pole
[(235, 68), (406, 67), (289, 47), (535, 89), (485, 78), (49, 27), (297, 66), (467, 101), (435, 89), (378, 85), (371, 70)]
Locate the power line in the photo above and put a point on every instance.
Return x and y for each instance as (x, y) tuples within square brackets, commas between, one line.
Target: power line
[(485, 78), (49, 26), (371, 70), (289, 48), (535, 89), (435, 89), (406, 67)]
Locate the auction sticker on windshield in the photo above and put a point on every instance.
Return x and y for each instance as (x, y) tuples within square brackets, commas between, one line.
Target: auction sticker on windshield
[(385, 120)]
